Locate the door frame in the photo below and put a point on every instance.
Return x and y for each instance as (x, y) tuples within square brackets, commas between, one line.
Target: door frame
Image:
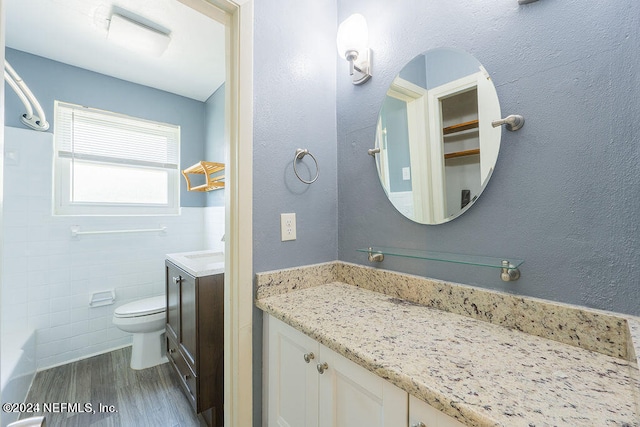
[(436, 95), (237, 16), (2, 49), (422, 185)]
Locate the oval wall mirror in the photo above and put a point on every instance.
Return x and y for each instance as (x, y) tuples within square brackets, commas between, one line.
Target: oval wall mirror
[(437, 147)]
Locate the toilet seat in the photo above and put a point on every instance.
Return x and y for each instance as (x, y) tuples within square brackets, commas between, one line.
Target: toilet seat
[(143, 307)]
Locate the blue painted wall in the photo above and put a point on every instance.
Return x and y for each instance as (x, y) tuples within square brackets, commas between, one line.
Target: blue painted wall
[(50, 80), (415, 71), (440, 66), (294, 107), (564, 195), (446, 65), (214, 138)]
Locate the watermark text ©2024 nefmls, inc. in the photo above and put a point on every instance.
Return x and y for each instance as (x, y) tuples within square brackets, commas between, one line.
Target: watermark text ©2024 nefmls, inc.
[(57, 407)]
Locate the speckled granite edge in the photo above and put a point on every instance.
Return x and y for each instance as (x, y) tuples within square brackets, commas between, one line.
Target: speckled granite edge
[(594, 330), (279, 282), (634, 349), (634, 341)]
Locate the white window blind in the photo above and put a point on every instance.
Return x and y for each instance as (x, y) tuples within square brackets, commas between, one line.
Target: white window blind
[(111, 164), (89, 134)]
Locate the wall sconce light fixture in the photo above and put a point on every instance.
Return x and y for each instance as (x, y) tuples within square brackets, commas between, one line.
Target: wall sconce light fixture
[(353, 45)]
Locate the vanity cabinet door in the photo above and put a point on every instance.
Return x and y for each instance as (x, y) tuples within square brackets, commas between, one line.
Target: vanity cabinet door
[(301, 391), (188, 319), (291, 382), (173, 284), (350, 395), (422, 414), (181, 311)]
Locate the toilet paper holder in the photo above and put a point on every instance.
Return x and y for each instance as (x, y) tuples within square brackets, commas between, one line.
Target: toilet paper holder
[(101, 298)]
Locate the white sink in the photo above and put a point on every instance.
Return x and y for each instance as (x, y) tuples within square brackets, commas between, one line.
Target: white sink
[(199, 263), (206, 257)]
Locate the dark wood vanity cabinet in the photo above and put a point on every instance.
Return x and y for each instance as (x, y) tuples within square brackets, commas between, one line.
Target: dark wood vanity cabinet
[(195, 338)]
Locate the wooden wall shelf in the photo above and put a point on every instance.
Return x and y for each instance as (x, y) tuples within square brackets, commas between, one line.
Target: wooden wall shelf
[(207, 169), (473, 124), (464, 153)]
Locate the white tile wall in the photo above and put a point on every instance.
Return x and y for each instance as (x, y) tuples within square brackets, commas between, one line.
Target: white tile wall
[(214, 227), (48, 275)]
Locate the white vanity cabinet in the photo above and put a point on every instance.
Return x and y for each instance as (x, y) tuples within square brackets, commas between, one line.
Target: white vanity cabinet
[(309, 385), (290, 383), (424, 415)]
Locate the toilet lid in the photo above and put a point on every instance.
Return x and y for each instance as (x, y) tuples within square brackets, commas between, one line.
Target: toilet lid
[(142, 307)]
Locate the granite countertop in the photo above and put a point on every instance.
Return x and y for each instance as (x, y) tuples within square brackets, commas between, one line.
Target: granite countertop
[(199, 263), (479, 373)]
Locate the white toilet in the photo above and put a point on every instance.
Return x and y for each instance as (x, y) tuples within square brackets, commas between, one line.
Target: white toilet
[(146, 320)]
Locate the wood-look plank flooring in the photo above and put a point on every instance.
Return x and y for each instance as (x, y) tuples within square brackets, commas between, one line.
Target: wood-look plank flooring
[(148, 397)]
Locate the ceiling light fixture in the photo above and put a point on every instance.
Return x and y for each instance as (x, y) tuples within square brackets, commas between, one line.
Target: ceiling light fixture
[(137, 36)]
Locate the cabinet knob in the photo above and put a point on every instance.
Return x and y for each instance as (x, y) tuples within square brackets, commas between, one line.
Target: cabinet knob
[(321, 367), (308, 357), (172, 350), (177, 280), (186, 376), (418, 424)]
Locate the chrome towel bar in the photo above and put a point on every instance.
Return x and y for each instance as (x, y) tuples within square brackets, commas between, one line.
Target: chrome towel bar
[(75, 231)]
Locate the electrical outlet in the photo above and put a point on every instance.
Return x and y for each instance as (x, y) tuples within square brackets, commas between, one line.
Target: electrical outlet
[(288, 226)]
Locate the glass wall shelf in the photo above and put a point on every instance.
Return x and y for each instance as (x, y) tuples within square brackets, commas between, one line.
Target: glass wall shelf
[(509, 266)]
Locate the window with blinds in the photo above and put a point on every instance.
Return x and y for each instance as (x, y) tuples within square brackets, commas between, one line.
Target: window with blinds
[(111, 164)]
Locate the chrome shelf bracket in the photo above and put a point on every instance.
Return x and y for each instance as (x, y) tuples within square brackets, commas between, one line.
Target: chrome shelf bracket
[(510, 272), (512, 122), (375, 256)]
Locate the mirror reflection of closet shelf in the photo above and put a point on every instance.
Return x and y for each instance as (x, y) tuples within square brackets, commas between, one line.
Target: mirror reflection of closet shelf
[(457, 130), (214, 179)]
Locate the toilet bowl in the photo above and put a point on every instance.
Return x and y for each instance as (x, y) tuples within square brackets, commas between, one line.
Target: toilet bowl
[(146, 320)]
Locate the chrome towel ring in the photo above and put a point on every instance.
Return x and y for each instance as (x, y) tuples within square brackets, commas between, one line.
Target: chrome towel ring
[(300, 153)]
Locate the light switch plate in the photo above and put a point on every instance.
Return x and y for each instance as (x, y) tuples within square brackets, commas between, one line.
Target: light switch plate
[(406, 173), (288, 226)]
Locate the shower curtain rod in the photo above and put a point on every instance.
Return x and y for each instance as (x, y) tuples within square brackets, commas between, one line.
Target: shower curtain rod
[(36, 122)]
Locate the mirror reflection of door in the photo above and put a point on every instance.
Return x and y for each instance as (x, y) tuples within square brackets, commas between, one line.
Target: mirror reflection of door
[(438, 148), (382, 161), (455, 107), (405, 134)]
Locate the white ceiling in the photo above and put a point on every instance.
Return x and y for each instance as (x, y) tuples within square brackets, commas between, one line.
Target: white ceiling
[(75, 32)]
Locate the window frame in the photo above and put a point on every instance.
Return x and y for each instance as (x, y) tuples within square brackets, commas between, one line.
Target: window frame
[(62, 204)]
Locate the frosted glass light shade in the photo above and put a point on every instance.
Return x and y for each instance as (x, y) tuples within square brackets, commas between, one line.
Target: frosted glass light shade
[(136, 36), (353, 35)]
